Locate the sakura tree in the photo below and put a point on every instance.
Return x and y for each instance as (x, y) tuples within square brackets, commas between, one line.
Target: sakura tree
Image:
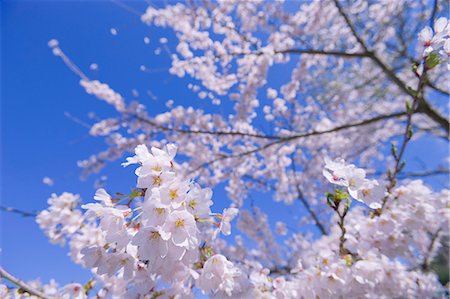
[(366, 78)]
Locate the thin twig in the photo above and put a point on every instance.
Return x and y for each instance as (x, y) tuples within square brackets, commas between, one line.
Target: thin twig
[(399, 164)]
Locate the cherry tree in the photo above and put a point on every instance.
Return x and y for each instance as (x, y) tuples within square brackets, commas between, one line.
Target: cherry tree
[(366, 77)]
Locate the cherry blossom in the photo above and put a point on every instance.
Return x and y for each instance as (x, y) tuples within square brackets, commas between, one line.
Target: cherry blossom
[(349, 93)]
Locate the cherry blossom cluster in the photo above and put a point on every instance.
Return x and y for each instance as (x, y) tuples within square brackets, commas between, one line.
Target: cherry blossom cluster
[(61, 218), (354, 179), (159, 234), (51, 289), (437, 39), (161, 240)]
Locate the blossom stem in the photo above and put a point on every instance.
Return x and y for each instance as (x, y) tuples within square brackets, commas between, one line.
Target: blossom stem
[(334, 201), (399, 164)]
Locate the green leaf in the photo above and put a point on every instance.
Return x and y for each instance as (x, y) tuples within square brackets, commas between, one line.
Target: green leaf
[(409, 109), (410, 132), (394, 150), (134, 194), (432, 60), (157, 294), (412, 91), (348, 260), (347, 205), (341, 195), (330, 199)]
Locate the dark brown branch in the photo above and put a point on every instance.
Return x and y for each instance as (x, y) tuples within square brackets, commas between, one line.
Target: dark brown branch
[(215, 133), (350, 26), (322, 52), (280, 270), (303, 51), (305, 202), (317, 222), (424, 173), (303, 135), (433, 13), (300, 197), (17, 211), (423, 105), (438, 89)]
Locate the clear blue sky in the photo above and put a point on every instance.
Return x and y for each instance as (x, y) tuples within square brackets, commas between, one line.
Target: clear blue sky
[(38, 140)]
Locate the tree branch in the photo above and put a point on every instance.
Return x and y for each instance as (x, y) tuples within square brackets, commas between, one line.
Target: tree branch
[(424, 173), (317, 222), (305, 202), (216, 133), (22, 285), (320, 52), (426, 261), (433, 13), (17, 211), (303, 135), (438, 89), (350, 26), (399, 164), (423, 105)]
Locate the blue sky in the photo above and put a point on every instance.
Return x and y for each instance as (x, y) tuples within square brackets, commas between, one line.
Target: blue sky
[(39, 140)]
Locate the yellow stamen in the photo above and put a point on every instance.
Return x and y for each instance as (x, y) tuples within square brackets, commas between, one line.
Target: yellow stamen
[(157, 181), (160, 211), (173, 194), (179, 223)]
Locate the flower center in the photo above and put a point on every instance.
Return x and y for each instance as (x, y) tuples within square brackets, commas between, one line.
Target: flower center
[(159, 211), (192, 204), (173, 194), (157, 181), (179, 223), (157, 168), (154, 235)]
